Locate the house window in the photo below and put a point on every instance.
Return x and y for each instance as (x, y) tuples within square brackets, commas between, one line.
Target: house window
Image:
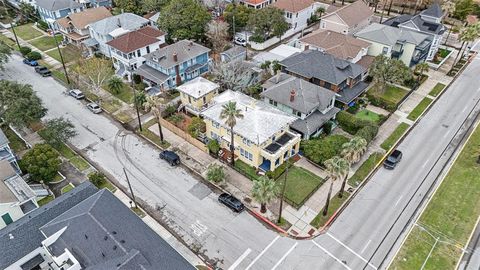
[(204, 99), (215, 124), (189, 99), (148, 49), (299, 114), (138, 53), (246, 141), (385, 50)]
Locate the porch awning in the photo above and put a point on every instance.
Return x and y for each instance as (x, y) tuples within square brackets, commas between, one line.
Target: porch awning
[(90, 42), (151, 74)]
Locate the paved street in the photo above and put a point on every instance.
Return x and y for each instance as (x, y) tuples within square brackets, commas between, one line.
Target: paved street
[(238, 241)]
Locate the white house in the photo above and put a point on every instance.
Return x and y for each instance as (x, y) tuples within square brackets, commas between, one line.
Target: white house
[(348, 19), (297, 12), (127, 51), (256, 4)]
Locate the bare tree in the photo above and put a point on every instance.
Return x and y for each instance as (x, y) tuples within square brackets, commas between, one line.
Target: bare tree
[(217, 33), (236, 76), (96, 71)]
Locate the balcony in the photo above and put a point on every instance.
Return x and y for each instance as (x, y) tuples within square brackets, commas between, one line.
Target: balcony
[(274, 150)]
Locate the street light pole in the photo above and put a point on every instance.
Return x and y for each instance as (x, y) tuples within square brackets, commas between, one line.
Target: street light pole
[(130, 187), (135, 99), (61, 58), (14, 33)]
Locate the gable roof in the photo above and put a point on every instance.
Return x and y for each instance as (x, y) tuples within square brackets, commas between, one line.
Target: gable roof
[(23, 236), (53, 5), (293, 6), (424, 26), (136, 39), (102, 233), (435, 10), (323, 66), (184, 49), (389, 35), (353, 14), (80, 20), (198, 87), (125, 21), (336, 44), (308, 96)]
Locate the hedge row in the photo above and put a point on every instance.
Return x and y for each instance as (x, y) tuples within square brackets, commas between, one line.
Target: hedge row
[(381, 102), (350, 123)]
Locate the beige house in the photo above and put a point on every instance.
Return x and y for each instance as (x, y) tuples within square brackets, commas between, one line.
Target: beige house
[(196, 94), (348, 19)]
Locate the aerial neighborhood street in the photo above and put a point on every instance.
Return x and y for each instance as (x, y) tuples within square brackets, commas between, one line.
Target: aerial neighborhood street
[(284, 134)]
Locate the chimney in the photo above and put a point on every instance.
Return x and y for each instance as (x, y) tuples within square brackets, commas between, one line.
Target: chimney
[(175, 57), (292, 95), (307, 46)]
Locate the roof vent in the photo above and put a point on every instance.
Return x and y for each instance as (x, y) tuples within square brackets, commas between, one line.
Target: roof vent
[(115, 247), (122, 241), (105, 238), (114, 232), (293, 93), (175, 57), (11, 236), (86, 236), (103, 254)]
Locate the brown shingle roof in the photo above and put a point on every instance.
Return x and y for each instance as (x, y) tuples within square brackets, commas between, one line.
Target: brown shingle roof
[(80, 20), (293, 6), (339, 45), (136, 39), (354, 13)]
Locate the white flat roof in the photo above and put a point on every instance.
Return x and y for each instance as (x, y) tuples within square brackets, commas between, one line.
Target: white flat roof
[(118, 32), (198, 87)]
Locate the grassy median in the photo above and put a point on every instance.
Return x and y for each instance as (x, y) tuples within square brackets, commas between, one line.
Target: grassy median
[(450, 216), (395, 136), (437, 89), (419, 109)]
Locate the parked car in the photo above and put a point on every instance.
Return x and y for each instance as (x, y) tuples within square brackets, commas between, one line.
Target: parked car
[(43, 71), (171, 157), (240, 41), (76, 94), (93, 107), (29, 62), (231, 202), (393, 159)]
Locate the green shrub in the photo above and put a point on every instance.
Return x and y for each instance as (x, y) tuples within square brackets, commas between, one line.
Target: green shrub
[(25, 50), (42, 25), (319, 150), (97, 178), (381, 102), (277, 172), (327, 127), (213, 146), (34, 56), (215, 173), (169, 110), (137, 79), (350, 123), (368, 133), (196, 127)]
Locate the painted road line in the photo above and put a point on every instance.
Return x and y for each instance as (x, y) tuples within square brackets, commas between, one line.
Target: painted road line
[(365, 247), (331, 255), (261, 253), (401, 196), (351, 250), (425, 163), (284, 256), (240, 259)]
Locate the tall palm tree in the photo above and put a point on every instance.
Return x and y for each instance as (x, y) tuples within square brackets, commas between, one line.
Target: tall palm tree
[(153, 105), (230, 113), (467, 35), (320, 12), (337, 167), (420, 69), (264, 190), (352, 152), (115, 84)]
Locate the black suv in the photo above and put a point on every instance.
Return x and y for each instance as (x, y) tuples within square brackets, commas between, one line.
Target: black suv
[(231, 202), (43, 71), (171, 157), (392, 160)]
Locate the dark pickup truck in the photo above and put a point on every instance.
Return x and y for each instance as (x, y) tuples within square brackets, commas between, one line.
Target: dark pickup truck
[(43, 71)]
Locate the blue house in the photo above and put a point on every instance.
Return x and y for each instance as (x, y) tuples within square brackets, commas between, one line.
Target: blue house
[(174, 64), (51, 10)]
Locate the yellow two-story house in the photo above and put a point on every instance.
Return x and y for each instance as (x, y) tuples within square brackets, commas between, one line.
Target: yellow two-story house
[(197, 93), (262, 138)]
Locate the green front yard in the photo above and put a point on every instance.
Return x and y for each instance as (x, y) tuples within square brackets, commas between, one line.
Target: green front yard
[(45, 200), (67, 188), (368, 115), (79, 163), (10, 43), (46, 42), (125, 94), (365, 169), (301, 184), (387, 99), (419, 109), (437, 89), (335, 203), (395, 136), (451, 216), (70, 53), (27, 32)]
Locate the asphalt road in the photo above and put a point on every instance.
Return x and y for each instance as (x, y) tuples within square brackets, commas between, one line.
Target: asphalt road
[(238, 241)]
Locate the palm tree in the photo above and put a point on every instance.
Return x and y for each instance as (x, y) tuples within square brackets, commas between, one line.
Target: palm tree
[(230, 113), (153, 104), (420, 69), (352, 152), (320, 12), (264, 190), (337, 167), (115, 84), (467, 35)]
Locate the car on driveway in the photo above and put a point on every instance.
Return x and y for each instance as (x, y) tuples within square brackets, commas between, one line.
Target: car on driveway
[(171, 157), (240, 41), (76, 94), (393, 159), (43, 71), (29, 62), (93, 107), (231, 202)]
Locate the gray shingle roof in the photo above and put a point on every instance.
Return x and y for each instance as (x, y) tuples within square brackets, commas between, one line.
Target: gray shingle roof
[(308, 96), (25, 231), (102, 231), (323, 66), (3, 138), (390, 35), (433, 11), (127, 21), (184, 49), (54, 5), (425, 26), (313, 122)]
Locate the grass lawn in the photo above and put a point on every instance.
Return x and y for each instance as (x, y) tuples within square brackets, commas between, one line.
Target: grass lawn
[(16, 143), (79, 163), (66, 151), (451, 215), (108, 186), (111, 106), (368, 115), (70, 53), (45, 200), (46, 43), (419, 109), (153, 137), (247, 170), (437, 89), (67, 188), (123, 117), (57, 178), (59, 74), (27, 32), (335, 203), (10, 43), (300, 185), (392, 93), (125, 94), (395, 136), (138, 211), (365, 169)]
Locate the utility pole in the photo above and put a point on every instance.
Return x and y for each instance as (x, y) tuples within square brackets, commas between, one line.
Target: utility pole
[(61, 58), (283, 192), (130, 187), (14, 33), (135, 99)]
